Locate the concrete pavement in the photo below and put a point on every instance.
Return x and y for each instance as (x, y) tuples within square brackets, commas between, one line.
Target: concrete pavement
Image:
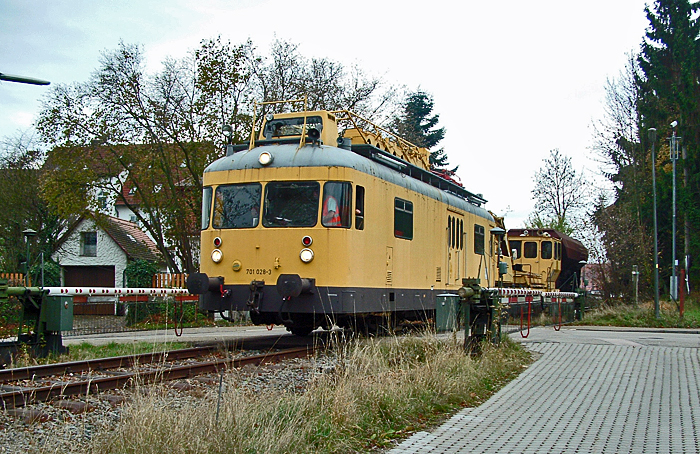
[(592, 390)]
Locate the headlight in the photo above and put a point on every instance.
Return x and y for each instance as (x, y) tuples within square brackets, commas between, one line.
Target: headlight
[(217, 255), (306, 255), (265, 158)]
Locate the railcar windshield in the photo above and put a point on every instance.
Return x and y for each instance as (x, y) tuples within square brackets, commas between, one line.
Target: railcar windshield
[(237, 206), (286, 127), (291, 204)]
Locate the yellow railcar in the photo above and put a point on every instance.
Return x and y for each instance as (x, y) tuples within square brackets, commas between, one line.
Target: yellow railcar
[(545, 259), (314, 224)]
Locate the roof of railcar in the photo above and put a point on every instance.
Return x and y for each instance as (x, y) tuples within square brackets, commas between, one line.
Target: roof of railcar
[(290, 155)]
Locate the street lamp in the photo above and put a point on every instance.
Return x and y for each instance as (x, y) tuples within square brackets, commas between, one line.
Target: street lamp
[(674, 158), (652, 139), (28, 234)]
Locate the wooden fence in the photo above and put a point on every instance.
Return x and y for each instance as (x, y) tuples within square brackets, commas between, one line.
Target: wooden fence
[(170, 280), (15, 279)]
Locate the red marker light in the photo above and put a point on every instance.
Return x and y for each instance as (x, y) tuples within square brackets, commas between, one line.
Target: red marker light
[(306, 241), (217, 242)]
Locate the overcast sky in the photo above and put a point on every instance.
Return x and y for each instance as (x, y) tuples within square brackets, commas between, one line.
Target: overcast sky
[(511, 79)]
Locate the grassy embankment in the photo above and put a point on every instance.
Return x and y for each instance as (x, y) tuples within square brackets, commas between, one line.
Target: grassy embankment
[(85, 350), (643, 315), (381, 390)]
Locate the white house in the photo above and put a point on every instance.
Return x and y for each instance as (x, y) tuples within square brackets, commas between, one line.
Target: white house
[(92, 255)]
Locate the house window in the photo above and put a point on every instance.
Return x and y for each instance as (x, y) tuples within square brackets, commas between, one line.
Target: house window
[(403, 219), (88, 244)]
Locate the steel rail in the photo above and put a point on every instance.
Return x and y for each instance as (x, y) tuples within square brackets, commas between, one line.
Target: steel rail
[(25, 396), (46, 370)]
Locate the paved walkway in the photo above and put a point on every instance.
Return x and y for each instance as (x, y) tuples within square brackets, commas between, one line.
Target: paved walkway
[(590, 392)]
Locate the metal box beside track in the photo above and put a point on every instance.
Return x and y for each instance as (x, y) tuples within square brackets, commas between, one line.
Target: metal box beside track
[(58, 313), (447, 313)]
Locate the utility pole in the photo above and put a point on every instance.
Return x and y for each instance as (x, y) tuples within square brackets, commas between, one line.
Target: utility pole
[(652, 139)]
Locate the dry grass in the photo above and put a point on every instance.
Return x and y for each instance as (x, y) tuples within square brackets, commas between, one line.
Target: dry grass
[(382, 390)]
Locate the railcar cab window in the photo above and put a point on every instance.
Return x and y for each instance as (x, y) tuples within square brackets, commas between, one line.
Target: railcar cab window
[(206, 207), (479, 239), (516, 248), (237, 206), (546, 250), (530, 250), (337, 201), (403, 219), (291, 204), (288, 127)]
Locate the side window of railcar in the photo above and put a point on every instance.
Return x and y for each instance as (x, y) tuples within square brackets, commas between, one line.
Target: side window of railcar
[(516, 248), (479, 239), (530, 250), (455, 232), (206, 207), (337, 201), (291, 204), (237, 206), (557, 251), (359, 207), (403, 219), (546, 250)]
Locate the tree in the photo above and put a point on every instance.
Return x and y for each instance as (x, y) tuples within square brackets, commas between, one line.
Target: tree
[(560, 193), (23, 206), (670, 91), (623, 224), (416, 123), (327, 85), (127, 131)]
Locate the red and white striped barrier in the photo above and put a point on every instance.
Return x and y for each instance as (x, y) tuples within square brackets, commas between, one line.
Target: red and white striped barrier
[(108, 291), (559, 294), (517, 291)]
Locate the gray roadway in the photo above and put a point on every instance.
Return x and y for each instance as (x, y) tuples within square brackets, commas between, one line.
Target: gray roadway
[(590, 391)]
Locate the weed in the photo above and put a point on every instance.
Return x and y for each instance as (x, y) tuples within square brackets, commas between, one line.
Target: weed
[(382, 390)]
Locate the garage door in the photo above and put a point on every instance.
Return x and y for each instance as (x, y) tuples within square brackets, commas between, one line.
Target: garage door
[(90, 276)]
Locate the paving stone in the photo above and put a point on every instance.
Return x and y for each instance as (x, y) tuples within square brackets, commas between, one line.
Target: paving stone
[(619, 397)]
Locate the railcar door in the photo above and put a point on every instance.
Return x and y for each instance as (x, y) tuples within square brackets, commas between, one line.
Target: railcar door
[(455, 250)]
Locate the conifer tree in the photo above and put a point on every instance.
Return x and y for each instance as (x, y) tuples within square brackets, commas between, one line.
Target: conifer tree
[(417, 124), (670, 91)]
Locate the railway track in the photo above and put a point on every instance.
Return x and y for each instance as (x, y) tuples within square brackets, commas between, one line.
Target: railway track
[(15, 392)]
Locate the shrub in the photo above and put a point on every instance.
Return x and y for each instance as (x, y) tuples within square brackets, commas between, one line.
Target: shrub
[(139, 273)]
